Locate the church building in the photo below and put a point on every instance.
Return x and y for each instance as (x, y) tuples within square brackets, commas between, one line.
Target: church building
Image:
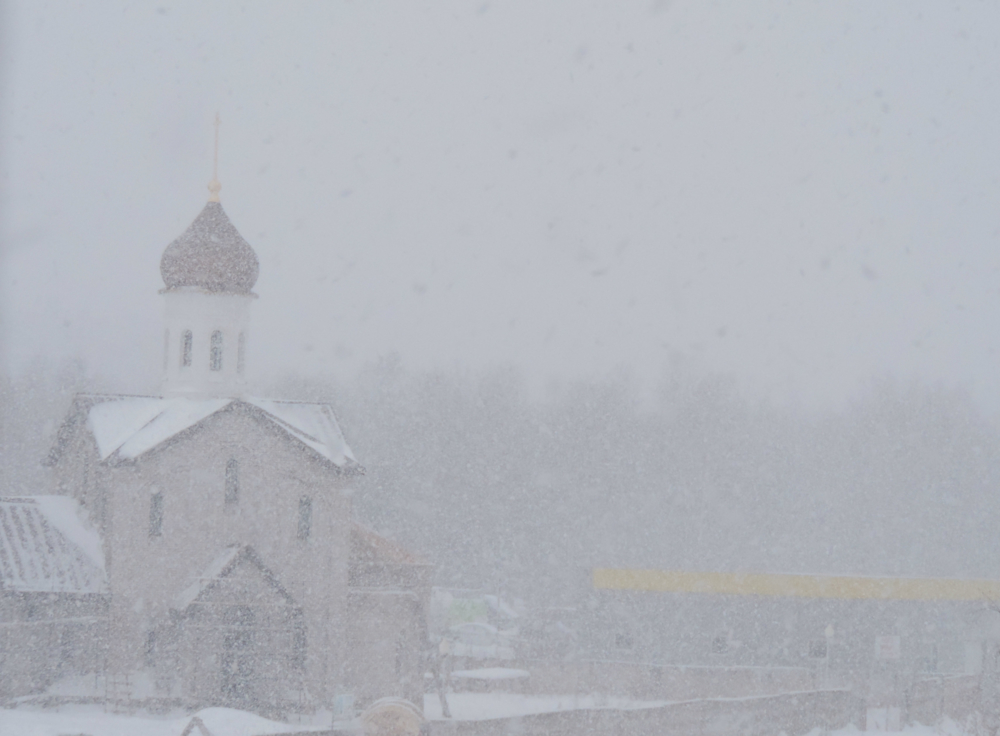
[(233, 572)]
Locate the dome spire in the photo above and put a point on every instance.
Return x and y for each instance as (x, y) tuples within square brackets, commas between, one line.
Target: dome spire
[(214, 186)]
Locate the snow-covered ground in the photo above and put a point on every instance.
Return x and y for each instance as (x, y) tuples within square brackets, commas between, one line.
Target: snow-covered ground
[(947, 727), (93, 721), (482, 706)]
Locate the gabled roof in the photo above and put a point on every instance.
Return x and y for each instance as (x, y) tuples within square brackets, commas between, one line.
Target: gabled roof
[(45, 546), (371, 548), (127, 427), (220, 568)]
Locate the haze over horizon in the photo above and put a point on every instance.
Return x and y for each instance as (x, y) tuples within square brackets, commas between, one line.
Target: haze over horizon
[(802, 196)]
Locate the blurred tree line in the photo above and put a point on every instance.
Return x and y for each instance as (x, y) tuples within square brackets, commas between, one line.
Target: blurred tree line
[(524, 495)]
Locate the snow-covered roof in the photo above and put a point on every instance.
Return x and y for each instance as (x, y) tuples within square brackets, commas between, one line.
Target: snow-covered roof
[(210, 574), (47, 546), (129, 426), (500, 606), (222, 565)]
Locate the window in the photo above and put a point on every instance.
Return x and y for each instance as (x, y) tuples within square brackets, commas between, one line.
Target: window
[(305, 517), (149, 652), (166, 348), (239, 657), (71, 640), (232, 482), (187, 341), (215, 360), (299, 644), (817, 648), (241, 350), (623, 640), (720, 644), (238, 616), (400, 654), (156, 514)]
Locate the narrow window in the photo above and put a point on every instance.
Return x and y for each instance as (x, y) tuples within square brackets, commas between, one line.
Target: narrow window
[(305, 517), (299, 644), (156, 514), (720, 644), (238, 616), (216, 353), (149, 653), (232, 482), (400, 653), (70, 643), (187, 341), (241, 351)]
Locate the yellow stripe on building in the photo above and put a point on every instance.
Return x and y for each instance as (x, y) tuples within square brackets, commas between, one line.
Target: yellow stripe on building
[(798, 586)]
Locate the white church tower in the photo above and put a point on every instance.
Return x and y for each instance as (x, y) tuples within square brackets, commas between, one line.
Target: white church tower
[(234, 573), (209, 272)]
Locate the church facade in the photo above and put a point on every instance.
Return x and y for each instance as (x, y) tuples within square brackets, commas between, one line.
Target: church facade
[(234, 571)]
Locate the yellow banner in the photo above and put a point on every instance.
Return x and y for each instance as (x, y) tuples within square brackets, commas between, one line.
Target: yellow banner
[(798, 586)]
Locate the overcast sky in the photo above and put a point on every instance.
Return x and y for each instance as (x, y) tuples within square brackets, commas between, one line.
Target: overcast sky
[(804, 195)]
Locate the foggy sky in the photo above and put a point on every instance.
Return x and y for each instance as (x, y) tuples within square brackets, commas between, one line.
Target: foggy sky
[(802, 194)]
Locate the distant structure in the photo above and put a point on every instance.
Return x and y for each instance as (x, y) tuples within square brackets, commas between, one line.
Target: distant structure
[(850, 626), (223, 565)]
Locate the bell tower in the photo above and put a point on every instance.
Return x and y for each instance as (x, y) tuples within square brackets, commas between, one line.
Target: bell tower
[(208, 273)]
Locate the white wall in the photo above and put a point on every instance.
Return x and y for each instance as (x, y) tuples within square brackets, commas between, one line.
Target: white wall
[(204, 313)]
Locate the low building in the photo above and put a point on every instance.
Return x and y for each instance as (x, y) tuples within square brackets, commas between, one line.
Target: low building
[(53, 594), (835, 624)]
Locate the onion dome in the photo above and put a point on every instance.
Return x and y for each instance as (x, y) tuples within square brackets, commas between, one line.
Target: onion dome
[(210, 255)]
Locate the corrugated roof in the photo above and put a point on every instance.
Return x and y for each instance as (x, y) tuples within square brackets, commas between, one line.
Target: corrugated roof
[(46, 547)]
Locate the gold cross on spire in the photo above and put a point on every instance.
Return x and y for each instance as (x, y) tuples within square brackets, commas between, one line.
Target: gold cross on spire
[(214, 186)]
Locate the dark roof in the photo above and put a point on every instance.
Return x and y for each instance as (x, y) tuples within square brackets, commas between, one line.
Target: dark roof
[(210, 255), (370, 548)]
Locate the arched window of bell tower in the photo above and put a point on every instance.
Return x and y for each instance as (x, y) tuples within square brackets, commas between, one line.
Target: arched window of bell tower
[(215, 359), (187, 343), (241, 351), (232, 482)]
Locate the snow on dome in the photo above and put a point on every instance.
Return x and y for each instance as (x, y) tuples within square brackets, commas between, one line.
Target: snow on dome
[(210, 255)]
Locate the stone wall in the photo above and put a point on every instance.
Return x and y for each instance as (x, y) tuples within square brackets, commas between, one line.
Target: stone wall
[(44, 636), (668, 682), (796, 713), (956, 697)]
